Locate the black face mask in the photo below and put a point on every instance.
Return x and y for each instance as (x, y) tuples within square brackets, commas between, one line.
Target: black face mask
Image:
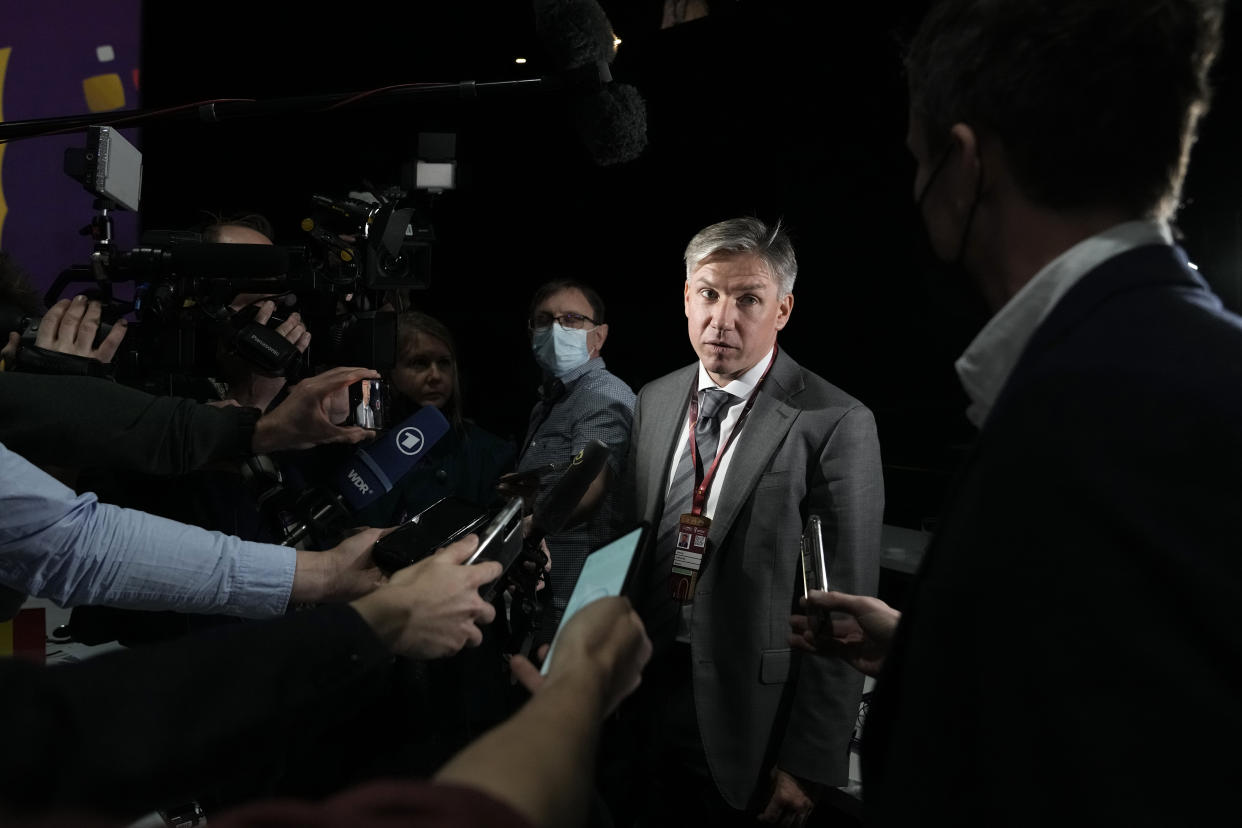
[(960, 256), (952, 297)]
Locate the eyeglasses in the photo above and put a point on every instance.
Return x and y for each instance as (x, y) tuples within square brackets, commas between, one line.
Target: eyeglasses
[(569, 321)]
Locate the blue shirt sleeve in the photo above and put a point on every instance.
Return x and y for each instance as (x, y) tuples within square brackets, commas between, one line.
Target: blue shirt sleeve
[(72, 549)]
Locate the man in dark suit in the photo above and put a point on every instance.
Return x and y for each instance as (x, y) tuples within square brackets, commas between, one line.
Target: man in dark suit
[(739, 726), (1068, 651)]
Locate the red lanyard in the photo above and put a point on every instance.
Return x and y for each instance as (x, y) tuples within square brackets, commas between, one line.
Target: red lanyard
[(705, 479)]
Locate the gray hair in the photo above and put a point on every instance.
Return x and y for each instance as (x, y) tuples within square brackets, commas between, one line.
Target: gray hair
[(747, 235)]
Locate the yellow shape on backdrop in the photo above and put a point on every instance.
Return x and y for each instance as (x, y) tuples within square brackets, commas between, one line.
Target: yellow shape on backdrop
[(103, 92)]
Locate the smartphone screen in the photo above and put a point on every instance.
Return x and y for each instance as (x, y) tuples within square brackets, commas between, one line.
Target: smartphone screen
[(368, 404), (814, 569), (607, 571), (814, 566)]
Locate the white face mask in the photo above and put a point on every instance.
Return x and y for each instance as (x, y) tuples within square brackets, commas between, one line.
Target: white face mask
[(559, 351)]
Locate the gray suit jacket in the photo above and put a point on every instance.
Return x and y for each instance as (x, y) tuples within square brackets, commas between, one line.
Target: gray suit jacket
[(806, 448)]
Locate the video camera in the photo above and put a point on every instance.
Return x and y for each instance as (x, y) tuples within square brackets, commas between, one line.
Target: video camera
[(359, 250)]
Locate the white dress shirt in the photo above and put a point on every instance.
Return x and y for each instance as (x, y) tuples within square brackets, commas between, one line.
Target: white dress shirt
[(742, 387)]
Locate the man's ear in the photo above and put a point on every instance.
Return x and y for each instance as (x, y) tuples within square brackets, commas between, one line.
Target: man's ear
[(966, 166), (600, 333), (784, 308)]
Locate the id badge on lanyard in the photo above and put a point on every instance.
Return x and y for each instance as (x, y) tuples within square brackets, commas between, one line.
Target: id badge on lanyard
[(689, 555)]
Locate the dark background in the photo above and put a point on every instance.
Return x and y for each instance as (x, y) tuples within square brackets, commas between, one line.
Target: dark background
[(790, 110)]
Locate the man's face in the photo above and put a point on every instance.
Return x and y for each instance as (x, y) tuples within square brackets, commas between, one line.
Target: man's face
[(424, 373), (734, 312), (571, 300)]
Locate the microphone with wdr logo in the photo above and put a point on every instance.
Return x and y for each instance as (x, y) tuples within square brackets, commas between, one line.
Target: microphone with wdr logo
[(322, 513), (376, 468)]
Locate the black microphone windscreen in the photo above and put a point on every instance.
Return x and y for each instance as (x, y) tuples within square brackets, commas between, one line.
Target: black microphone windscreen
[(574, 32), (243, 261), (550, 516), (612, 123)]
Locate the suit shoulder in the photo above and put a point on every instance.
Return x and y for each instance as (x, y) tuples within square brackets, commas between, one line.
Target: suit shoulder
[(821, 388), (817, 392)]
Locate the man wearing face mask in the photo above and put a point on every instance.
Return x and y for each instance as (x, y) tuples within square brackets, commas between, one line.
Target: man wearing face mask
[(579, 401)]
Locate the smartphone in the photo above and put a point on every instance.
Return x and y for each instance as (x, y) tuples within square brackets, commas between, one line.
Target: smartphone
[(609, 570), (500, 540), (814, 567), (369, 405), (441, 523)]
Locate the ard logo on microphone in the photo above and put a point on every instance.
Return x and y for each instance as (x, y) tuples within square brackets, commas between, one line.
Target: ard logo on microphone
[(410, 441)]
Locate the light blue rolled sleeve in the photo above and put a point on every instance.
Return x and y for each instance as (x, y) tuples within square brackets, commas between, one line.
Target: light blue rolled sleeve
[(72, 549)]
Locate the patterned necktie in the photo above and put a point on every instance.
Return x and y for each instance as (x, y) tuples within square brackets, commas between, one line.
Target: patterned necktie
[(714, 405)]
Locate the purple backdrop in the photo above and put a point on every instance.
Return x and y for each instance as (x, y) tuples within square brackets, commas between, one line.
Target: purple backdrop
[(53, 49)]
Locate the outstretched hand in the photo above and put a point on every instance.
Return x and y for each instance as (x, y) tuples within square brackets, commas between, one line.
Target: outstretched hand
[(342, 573), (862, 629), (309, 415), (433, 608), (603, 642)]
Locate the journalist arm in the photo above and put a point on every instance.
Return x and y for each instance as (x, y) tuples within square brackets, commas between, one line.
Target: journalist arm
[(67, 420), (73, 550)]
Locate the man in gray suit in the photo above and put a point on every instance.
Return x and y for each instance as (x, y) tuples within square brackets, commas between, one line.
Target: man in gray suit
[(733, 725)]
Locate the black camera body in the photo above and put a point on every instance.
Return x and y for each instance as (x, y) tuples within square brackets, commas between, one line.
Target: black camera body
[(379, 244), (358, 251)]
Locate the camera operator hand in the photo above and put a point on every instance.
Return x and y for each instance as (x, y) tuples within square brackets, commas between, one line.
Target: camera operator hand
[(309, 415), (433, 608), (342, 573), (253, 389), (69, 327)]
